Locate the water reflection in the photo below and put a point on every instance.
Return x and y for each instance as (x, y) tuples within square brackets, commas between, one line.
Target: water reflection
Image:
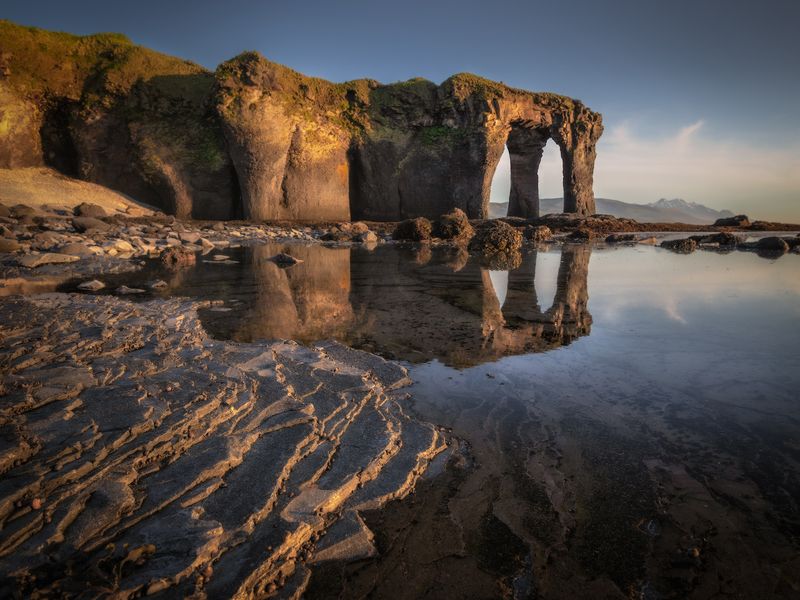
[(409, 304)]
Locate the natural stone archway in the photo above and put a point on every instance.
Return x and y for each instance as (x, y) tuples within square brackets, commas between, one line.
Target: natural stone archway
[(404, 150), (525, 149), (260, 137)]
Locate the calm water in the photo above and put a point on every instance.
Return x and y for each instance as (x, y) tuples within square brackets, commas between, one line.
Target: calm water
[(630, 418)]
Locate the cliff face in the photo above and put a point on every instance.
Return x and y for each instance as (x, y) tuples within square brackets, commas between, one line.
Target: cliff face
[(261, 141), (105, 110), (386, 152)]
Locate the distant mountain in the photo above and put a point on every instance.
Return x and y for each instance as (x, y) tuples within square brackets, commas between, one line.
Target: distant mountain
[(661, 211)]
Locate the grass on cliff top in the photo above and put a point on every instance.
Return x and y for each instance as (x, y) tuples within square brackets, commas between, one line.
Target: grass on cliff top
[(66, 65)]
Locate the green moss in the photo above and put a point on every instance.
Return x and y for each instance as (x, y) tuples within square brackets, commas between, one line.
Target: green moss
[(440, 135), (49, 62)]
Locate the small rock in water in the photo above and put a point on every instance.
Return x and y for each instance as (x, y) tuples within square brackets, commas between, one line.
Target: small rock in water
[(221, 257), (686, 246), (285, 260), (177, 257), (125, 290), (772, 243), (158, 284), (368, 237), (91, 286)]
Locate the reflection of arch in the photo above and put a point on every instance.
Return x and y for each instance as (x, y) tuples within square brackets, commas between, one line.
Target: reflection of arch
[(389, 302), (420, 313), (521, 325)]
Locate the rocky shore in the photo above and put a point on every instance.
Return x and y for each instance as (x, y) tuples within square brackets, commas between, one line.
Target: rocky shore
[(124, 424)]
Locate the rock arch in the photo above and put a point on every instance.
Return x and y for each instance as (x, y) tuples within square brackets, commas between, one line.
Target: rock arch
[(388, 152)]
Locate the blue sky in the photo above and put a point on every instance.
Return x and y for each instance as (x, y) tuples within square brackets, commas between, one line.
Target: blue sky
[(699, 97)]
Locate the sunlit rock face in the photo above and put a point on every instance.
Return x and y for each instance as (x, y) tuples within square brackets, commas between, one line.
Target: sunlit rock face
[(107, 111), (259, 140), (307, 148)]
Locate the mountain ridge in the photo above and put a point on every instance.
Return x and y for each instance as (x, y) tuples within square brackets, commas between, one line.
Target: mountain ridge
[(675, 210)]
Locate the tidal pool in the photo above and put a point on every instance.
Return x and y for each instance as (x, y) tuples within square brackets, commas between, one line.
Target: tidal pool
[(628, 418)]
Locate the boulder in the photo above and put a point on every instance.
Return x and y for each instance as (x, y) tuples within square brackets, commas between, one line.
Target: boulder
[(5, 212), (23, 210), (454, 226), (86, 224), (496, 236), (358, 227), (772, 244), (737, 221), (367, 237), (537, 233), (87, 209), (176, 257), (414, 230), (684, 246)]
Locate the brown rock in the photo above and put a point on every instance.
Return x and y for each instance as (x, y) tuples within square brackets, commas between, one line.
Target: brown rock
[(685, 246), (31, 261), (86, 224), (772, 243), (177, 257), (8, 245), (86, 209), (537, 233), (454, 226), (415, 230), (496, 236)]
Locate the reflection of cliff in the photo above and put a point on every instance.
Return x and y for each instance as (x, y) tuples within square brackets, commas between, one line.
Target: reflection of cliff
[(397, 302), (418, 313), (309, 301)]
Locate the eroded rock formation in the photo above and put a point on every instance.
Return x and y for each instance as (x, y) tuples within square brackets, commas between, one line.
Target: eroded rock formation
[(259, 140), (304, 146), (105, 110), (408, 304), (121, 428)]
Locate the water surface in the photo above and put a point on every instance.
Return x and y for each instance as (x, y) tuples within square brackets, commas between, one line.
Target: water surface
[(629, 418)]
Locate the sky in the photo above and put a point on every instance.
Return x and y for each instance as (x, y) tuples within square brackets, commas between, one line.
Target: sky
[(699, 98)]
